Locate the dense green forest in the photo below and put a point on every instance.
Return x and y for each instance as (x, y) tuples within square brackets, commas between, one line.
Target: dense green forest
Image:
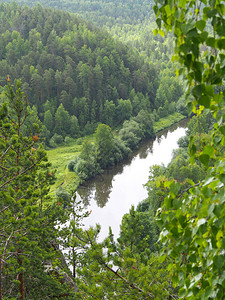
[(76, 75), (180, 251), (73, 73), (102, 12), (129, 21)]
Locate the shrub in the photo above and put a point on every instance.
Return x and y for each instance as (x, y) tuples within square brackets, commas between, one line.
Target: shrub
[(68, 140), (79, 141), (56, 140), (86, 169), (131, 134), (71, 165), (120, 150)]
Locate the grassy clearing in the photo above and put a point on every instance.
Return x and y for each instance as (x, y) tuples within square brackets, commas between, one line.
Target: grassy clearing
[(59, 158), (168, 121)]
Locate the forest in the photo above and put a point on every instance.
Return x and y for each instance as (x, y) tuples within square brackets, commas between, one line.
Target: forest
[(76, 75), (63, 78)]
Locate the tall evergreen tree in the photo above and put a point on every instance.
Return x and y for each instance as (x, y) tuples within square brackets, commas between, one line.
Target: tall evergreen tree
[(28, 261)]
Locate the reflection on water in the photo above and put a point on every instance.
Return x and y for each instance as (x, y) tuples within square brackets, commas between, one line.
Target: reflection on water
[(111, 194), (100, 187)]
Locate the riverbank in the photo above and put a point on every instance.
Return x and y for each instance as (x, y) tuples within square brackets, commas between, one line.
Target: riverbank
[(61, 156), (168, 121), (110, 195)]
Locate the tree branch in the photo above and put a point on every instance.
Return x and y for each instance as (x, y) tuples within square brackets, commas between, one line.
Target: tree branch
[(128, 283)]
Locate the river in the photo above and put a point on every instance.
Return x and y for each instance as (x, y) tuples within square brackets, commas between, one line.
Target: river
[(110, 195)]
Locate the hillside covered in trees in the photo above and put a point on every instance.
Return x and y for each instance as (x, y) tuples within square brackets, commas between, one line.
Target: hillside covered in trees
[(76, 75), (101, 12), (68, 65)]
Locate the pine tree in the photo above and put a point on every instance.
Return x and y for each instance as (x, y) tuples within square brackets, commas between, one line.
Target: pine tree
[(28, 261), (124, 269)]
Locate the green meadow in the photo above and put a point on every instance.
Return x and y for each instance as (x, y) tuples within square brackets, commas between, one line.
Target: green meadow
[(59, 158)]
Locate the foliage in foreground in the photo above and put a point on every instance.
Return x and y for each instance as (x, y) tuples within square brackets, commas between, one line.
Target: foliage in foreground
[(193, 220), (120, 270)]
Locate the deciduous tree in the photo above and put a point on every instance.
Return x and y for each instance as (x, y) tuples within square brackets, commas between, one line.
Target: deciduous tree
[(104, 144), (193, 220)]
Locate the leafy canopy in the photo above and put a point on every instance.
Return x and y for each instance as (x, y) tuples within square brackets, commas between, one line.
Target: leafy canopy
[(193, 221)]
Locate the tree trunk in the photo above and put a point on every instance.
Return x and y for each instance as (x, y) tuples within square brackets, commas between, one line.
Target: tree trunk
[(1, 267), (74, 263), (20, 277)]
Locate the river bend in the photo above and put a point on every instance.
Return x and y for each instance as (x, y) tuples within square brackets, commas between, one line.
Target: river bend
[(110, 195)]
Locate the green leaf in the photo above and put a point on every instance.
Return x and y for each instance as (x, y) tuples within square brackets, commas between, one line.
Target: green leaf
[(200, 25), (217, 210), (209, 150), (211, 13), (209, 90), (221, 43), (168, 203), (220, 30), (209, 292), (211, 42), (162, 258), (182, 3), (155, 8), (195, 290), (222, 178), (211, 209), (192, 33), (204, 100), (201, 222), (155, 31), (168, 10), (207, 192), (161, 32), (196, 278), (182, 293), (204, 158), (197, 90), (222, 129), (217, 139), (187, 27), (218, 261), (175, 187), (183, 221), (158, 22)]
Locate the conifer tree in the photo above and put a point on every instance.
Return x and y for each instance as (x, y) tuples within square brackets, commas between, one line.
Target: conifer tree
[(124, 269), (28, 261)]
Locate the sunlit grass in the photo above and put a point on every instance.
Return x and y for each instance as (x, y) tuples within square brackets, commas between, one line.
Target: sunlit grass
[(59, 159), (168, 121)]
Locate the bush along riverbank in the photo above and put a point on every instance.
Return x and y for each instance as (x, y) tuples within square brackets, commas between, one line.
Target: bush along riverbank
[(108, 148)]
